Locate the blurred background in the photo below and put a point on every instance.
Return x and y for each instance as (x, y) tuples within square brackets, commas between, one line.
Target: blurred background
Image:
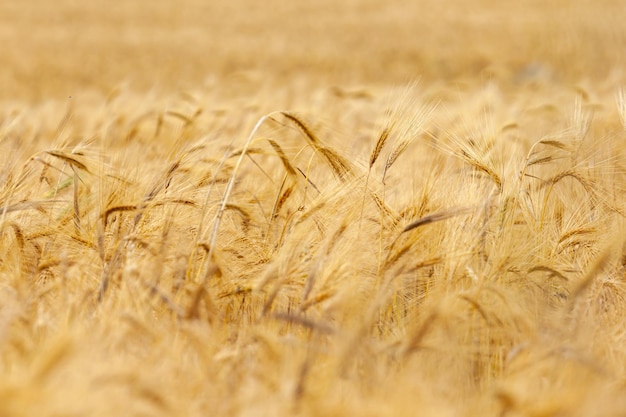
[(56, 49)]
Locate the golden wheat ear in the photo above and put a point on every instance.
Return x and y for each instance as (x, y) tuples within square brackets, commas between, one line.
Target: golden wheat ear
[(341, 167), (437, 217)]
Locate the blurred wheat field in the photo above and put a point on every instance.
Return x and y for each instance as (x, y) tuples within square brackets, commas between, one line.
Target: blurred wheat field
[(312, 208)]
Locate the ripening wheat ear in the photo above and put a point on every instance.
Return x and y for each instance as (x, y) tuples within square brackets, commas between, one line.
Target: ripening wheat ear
[(410, 126), (380, 143), (308, 133), (340, 166), (283, 158)]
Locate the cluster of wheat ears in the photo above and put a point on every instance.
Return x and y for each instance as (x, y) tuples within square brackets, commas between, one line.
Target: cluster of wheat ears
[(433, 254)]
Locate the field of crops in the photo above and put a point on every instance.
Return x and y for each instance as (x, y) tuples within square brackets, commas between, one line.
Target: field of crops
[(313, 208)]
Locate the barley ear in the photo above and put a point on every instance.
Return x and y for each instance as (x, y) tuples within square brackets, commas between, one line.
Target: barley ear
[(380, 143)]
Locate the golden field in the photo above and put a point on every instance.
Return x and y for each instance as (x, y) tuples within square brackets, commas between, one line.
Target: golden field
[(328, 208)]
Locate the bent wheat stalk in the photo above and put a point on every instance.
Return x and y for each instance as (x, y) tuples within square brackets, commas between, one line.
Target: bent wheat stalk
[(224, 202)]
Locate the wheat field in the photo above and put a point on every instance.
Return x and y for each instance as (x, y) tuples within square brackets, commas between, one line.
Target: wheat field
[(329, 208)]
